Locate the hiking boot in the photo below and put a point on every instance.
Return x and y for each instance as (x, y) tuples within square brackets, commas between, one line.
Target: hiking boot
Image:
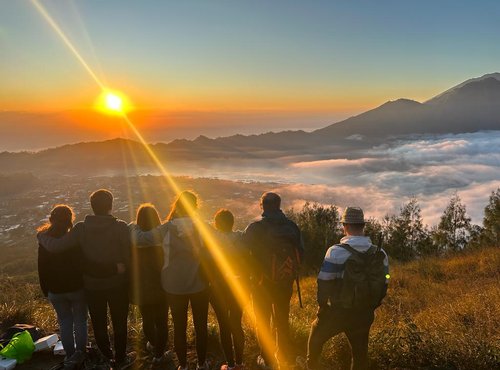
[(75, 361), (158, 362), (126, 363)]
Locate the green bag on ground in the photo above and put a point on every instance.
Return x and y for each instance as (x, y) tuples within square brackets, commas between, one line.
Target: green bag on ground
[(20, 347)]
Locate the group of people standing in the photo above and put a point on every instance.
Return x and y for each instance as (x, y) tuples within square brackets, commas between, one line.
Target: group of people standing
[(103, 263)]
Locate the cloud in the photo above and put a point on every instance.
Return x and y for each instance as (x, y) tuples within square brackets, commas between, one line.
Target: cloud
[(383, 178)]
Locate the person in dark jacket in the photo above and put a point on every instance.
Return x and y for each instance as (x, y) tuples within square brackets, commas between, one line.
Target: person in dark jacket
[(62, 282), (146, 290), (275, 244), (224, 302), (103, 239)]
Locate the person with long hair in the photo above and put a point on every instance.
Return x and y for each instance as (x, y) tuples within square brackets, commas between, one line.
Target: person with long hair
[(182, 277), (61, 280), (146, 290)]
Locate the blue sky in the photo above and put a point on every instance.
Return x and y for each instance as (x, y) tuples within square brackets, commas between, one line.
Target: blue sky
[(221, 55)]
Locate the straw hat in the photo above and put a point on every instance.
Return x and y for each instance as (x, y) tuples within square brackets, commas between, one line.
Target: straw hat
[(353, 215)]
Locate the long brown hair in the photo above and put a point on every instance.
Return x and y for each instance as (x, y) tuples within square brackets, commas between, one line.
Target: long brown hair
[(186, 199), (60, 221), (147, 217)]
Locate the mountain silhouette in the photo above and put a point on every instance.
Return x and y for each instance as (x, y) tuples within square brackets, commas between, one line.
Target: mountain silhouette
[(471, 106)]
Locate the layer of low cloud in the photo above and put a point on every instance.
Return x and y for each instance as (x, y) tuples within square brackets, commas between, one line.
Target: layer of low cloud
[(384, 178)]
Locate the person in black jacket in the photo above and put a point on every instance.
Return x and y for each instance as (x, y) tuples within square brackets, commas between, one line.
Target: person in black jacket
[(276, 246), (146, 290), (62, 282), (226, 306), (104, 240)]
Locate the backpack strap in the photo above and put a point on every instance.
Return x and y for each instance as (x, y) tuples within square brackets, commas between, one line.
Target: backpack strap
[(348, 248), (372, 250)]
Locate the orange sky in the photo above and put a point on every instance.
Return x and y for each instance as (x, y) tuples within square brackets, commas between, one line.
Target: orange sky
[(309, 64)]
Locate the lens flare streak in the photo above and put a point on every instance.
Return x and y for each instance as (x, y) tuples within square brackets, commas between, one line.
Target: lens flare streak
[(241, 293)]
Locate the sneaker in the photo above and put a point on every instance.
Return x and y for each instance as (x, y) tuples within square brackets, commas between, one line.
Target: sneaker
[(205, 366), (158, 362), (301, 362), (235, 367), (150, 347), (261, 363), (126, 363)]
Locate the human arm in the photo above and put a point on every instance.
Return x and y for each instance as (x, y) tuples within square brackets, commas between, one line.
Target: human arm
[(248, 237), (56, 245), (151, 238), (300, 247), (249, 250), (329, 278), (101, 270), (42, 270), (387, 274)]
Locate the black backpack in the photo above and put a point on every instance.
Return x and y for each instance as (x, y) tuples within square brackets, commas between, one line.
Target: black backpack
[(283, 243), (364, 281), (36, 333)]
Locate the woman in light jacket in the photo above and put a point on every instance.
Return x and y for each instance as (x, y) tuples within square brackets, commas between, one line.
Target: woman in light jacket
[(181, 276)]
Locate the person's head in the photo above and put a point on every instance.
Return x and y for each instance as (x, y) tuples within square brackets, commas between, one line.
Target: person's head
[(147, 217), (224, 220), (184, 203), (101, 202), (60, 220), (353, 220), (270, 201)]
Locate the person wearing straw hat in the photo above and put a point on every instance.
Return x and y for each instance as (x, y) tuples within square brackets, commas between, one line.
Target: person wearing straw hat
[(337, 314)]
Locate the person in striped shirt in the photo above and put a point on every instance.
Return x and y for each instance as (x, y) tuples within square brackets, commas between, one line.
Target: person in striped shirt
[(333, 319)]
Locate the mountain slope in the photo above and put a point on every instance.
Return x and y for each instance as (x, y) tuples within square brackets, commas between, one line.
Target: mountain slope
[(468, 107)]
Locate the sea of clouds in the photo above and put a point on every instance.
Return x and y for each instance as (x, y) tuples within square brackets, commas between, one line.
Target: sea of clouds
[(382, 178)]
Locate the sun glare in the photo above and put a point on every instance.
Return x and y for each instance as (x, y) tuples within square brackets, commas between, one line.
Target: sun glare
[(113, 102)]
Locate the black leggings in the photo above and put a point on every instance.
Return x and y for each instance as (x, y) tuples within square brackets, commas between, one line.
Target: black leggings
[(199, 307), (155, 325), (229, 314)]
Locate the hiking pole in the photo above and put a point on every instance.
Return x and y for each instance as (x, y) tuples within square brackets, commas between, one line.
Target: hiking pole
[(380, 240), (299, 293)]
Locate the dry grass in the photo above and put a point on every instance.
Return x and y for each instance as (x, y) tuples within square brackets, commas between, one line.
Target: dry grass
[(439, 314)]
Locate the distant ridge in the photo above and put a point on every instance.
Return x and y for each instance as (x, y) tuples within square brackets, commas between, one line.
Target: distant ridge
[(494, 75), (471, 106)]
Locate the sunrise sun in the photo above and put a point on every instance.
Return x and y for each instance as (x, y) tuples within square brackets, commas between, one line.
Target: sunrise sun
[(113, 102)]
